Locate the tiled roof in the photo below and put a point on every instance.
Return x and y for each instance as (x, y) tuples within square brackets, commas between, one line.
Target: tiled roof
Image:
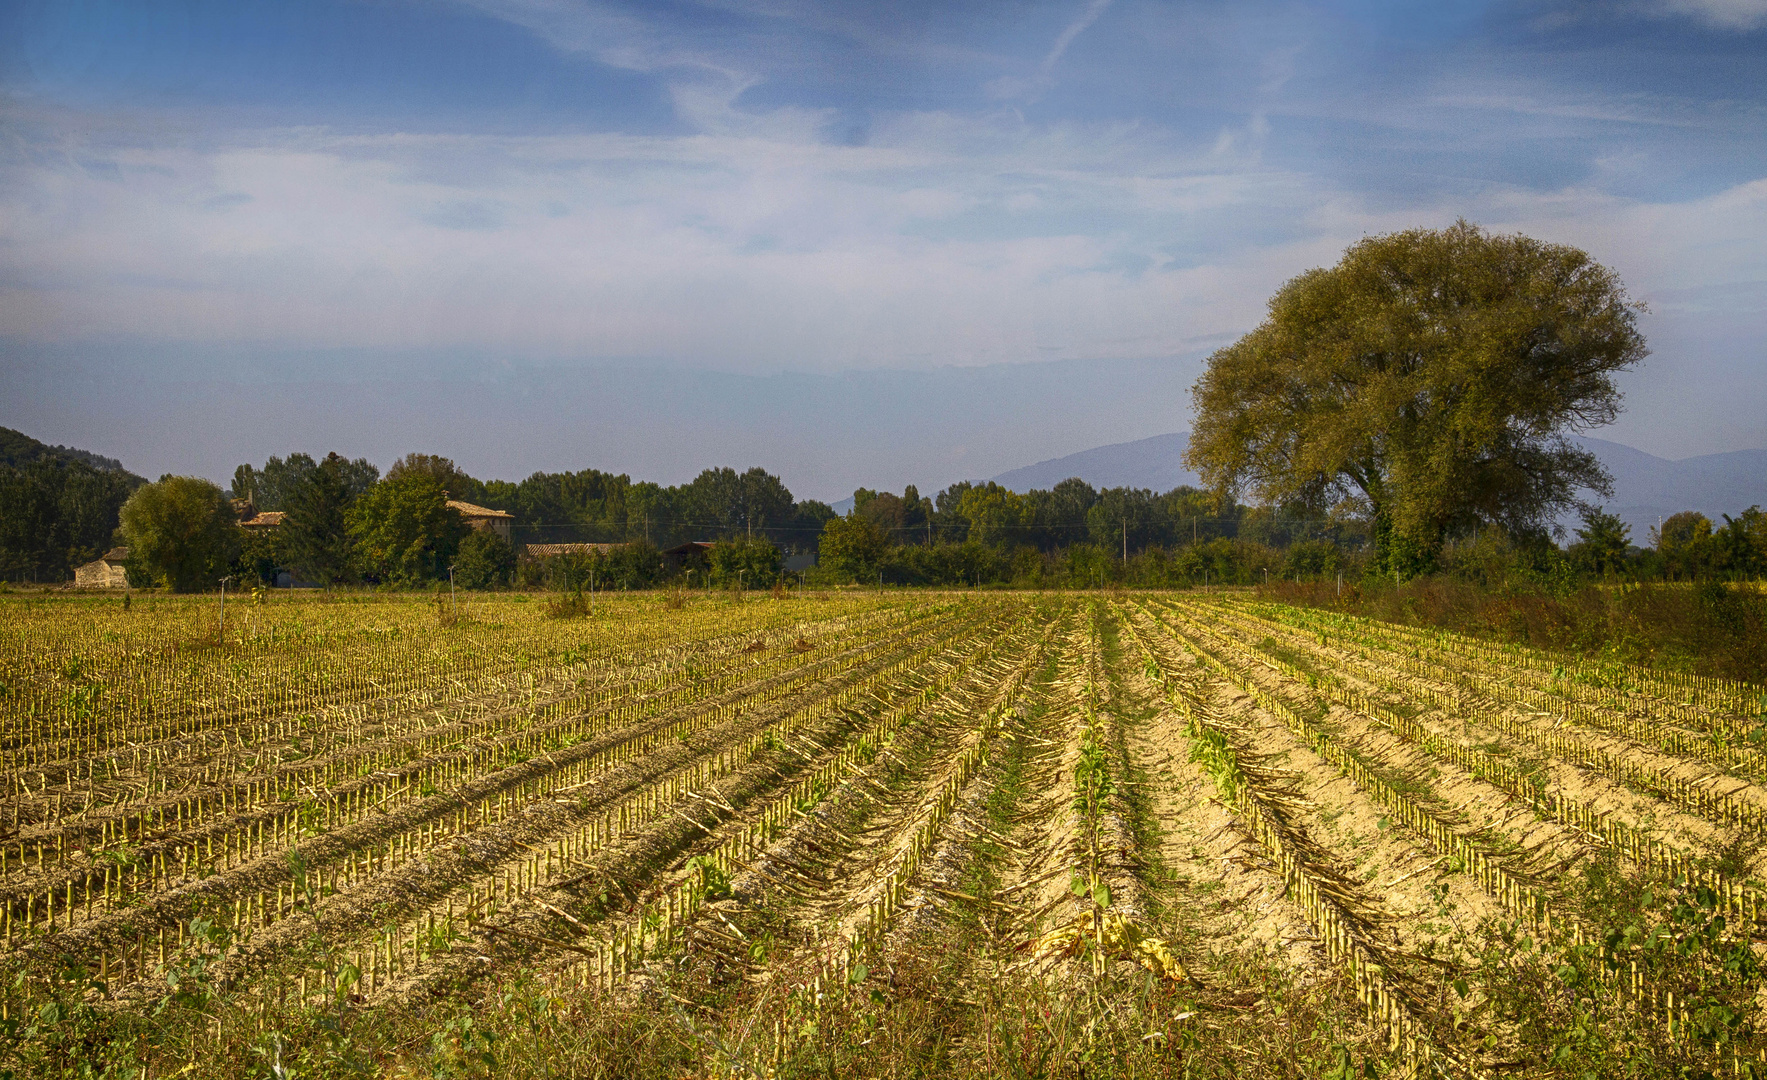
[(116, 554), (264, 519), (543, 551), (469, 510)]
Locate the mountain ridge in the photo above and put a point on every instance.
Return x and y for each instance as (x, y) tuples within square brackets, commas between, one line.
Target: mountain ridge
[(19, 450), (1647, 488), (1155, 462)]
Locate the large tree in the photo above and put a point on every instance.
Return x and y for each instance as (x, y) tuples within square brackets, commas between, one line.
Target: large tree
[(1431, 379), (181, 531), (852, 548), (727, 503), (315, 533), (404, 530)]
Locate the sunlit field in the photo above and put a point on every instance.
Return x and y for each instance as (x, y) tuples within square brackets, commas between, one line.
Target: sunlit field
[(875, 833)]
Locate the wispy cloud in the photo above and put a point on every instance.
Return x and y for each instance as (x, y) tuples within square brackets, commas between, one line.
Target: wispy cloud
[(1725, 14), (942, 241), (1007, 87), (1073, 30), (818, 186)]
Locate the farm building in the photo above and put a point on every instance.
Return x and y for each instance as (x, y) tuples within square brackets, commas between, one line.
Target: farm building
[(548, 551), (498, 521), (253, 519), (105, 572)]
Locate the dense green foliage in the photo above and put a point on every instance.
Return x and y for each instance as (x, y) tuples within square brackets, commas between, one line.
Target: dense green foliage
[(345, 524), (58, 507), (404, 531), (277, 486), (742, 562), (180, 533), (484, 561), (592, 506), (18, 450), (1074, 536), (316, 532)]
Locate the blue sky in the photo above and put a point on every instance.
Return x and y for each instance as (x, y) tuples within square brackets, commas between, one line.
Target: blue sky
[(661, 211)]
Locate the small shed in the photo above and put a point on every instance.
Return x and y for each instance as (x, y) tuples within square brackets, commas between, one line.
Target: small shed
[(105, 572), (681, 553), (478, 517)]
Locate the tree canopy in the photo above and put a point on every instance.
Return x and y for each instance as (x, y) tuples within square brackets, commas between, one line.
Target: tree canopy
[(1429, 381), (181, 531), (58, 506), (404, 530), (315, 533)]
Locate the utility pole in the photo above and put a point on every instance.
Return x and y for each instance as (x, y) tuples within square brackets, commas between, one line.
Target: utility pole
[(452, 609), (221, 637)]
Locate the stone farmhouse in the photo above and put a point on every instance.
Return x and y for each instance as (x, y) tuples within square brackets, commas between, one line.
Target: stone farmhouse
[(104, 572)]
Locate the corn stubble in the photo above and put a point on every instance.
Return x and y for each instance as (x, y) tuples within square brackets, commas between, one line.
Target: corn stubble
[(924, 834)]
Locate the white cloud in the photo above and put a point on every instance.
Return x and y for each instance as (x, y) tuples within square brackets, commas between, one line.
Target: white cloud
[(1008, 87), (742, 251), (1725, 14), (944, 240), (1094, 9)]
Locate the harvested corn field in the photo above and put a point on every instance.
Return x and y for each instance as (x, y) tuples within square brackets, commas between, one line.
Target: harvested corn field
[(863, 835)]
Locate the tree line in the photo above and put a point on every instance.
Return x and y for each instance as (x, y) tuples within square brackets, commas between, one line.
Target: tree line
[(58, 507), (343, 522), (1406, 412)]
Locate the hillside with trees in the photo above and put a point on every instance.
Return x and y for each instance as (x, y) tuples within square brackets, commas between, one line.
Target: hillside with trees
[(58, 507)]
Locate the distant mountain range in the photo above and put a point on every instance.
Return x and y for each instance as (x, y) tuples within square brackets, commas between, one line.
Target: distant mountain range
[(1156, 463), (1646, 487)]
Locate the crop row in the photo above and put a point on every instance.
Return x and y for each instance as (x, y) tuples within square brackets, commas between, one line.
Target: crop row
[(375, 700), (1721, 807), (254, 814), (1661, 694), (589, 826), (1616, 970), (745, 842), (1257, 794), (1470, 857), (1740, 901), (939, 795), (92, 708), (1690, 714), (363, 850)]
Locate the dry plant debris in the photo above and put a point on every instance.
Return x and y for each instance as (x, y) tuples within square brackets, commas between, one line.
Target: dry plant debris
[(856, 834)]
